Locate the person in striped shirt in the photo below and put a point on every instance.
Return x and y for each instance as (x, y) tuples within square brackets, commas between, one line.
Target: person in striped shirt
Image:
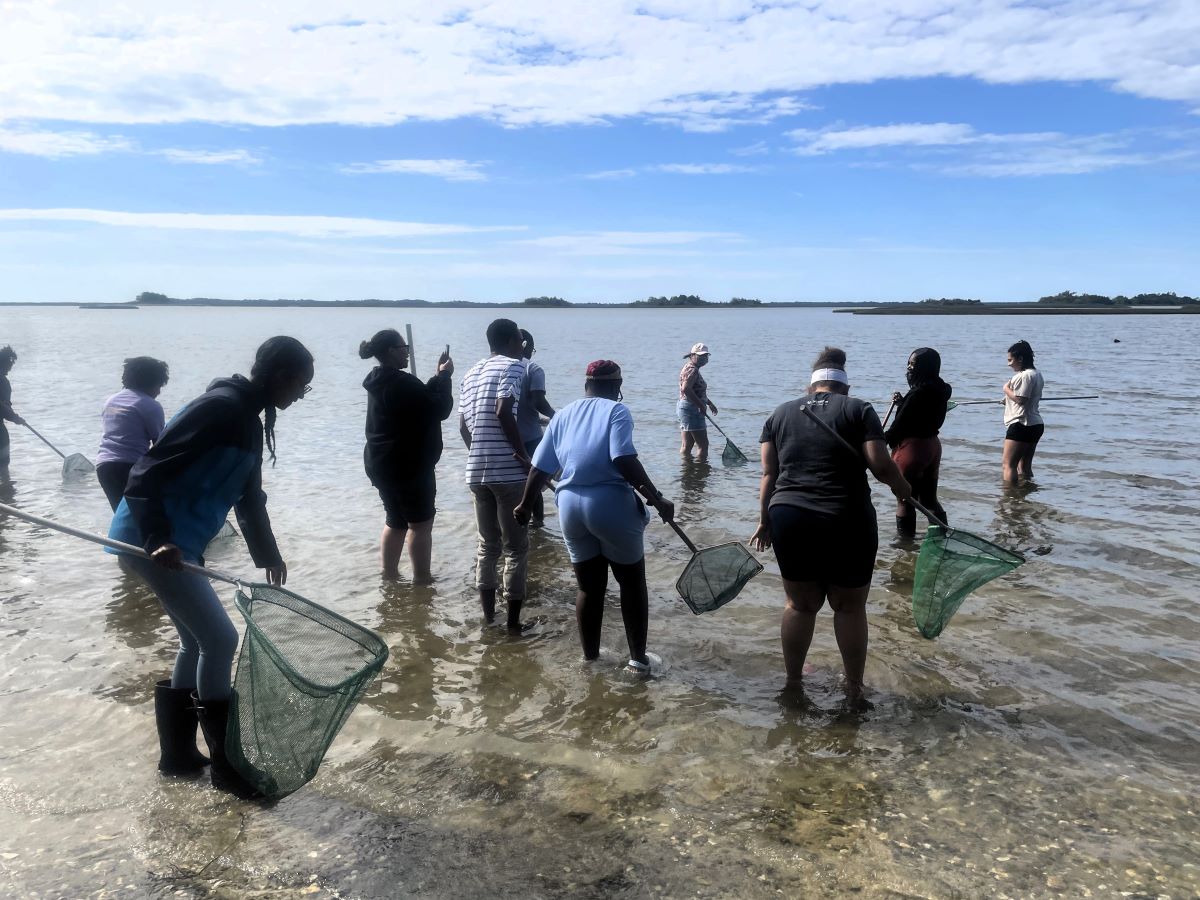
[(496, 467)]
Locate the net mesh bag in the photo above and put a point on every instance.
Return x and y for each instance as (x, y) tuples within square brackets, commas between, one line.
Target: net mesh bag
[(301, 670), (716, 575), (77, 465), (951, 564), (732, 454)]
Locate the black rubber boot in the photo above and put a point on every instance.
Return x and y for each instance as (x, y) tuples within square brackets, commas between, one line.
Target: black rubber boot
[(906, 525), (176, 720), (214, 717)]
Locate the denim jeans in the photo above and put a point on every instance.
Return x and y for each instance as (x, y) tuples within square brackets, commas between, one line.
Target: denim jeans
[(207, 638)]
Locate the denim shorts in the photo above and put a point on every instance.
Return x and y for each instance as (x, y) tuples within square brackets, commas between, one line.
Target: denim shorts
[(690, 418)]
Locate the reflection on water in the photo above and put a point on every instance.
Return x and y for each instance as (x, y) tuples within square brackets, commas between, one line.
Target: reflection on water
[(1042, 745)]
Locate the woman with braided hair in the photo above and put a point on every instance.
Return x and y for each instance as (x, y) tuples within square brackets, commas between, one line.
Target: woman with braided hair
[(602, 519), (207, 461)]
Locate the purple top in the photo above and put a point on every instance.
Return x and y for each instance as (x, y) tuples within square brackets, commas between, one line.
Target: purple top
[(132, 422)]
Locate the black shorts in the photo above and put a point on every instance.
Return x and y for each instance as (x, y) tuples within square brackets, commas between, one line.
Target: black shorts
[(1026, 434), (830, 550), (112, 477), (406, 502)]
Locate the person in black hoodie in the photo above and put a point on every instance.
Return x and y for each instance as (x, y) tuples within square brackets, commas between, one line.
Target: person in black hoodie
[(207, 461), (404, 444), (913, 437)]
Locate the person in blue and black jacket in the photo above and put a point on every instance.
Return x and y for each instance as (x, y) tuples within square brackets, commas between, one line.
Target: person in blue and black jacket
[(207, 461)]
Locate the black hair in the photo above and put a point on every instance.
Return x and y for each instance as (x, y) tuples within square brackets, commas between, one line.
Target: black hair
[(926, 366), (8, 356), (276, 355), (830, 358), (1022, 351), (144, 373), (526, 338), (380, 343), (501, 333)]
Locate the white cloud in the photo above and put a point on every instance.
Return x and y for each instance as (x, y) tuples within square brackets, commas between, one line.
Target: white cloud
[(449, 169), (702, 168), (958, 149), (813, 142), (301, 226), (702, 66), (60, 144), (674, 169), (211, 157), (758, 148), (631, 243), (612, 174)]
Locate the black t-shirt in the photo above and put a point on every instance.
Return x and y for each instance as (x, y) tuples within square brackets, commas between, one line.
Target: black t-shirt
[(815, 471)]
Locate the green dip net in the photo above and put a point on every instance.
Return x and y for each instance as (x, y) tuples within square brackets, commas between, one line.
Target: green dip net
[(300, 672), (953, 563), (716, 575)]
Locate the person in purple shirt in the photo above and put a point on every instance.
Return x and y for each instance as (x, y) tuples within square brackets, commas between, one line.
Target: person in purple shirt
[(133, 421)]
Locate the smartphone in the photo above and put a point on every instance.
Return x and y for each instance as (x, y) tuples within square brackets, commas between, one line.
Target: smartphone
[(447, 350)]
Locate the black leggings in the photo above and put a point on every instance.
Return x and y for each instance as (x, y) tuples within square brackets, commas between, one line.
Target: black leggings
[(112, 477)]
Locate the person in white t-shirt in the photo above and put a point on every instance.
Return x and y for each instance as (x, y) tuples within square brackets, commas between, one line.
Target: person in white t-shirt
[(496, 467), (1022, 394)]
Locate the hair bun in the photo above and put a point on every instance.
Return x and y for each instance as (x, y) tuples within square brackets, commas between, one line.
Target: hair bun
[(366, 349)]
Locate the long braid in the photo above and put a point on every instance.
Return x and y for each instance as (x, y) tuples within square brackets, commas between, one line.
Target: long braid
[(276, 355)]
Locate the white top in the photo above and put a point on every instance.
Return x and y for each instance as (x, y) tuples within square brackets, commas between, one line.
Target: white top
[(490, 460), (1026, 383)]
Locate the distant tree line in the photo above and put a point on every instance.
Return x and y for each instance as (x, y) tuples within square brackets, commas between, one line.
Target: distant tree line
[(950, 301), (1070, 298)]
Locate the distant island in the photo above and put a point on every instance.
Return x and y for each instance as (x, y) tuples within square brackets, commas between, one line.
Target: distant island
[(1064, 303)]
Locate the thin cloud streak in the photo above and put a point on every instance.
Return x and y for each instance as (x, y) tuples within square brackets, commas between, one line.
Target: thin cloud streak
[(303, 226), (449, 169)]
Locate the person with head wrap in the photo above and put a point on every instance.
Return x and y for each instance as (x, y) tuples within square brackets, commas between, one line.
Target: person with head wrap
[(815, 509), (591, 442), (913, 437)]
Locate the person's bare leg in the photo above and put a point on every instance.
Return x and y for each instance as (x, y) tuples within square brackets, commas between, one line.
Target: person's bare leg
[(420, 551), (701, 438), (635, 606), (1012, 454), (391, 545), (592, 577), (804, 601), (850, 628), (1025, 462), (685, 448)]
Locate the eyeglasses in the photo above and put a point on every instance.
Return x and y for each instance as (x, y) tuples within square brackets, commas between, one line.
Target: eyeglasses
[(304, 391)]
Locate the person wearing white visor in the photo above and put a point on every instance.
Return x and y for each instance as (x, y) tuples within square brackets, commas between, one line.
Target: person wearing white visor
[(694, 403)]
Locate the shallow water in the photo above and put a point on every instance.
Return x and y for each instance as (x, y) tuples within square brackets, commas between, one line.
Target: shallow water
[(1045, 744)]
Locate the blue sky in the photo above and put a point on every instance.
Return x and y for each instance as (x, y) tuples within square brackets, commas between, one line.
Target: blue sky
[(492, 151)]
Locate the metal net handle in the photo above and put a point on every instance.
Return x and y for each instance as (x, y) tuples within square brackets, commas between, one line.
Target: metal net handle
[(119, 546)]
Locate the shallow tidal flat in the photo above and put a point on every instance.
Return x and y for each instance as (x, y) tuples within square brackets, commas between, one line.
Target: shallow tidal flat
[(1044, 745)]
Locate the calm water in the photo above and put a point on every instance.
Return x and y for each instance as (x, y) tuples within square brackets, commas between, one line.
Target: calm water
[(1046, 744)]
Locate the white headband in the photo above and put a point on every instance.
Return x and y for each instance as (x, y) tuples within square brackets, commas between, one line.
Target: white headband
[(829, 375)]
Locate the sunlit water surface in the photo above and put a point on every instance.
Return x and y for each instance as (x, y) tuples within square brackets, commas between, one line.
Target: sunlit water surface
[(1045, 744)]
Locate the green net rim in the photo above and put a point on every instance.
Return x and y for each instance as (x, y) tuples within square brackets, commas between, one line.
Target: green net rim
[(381, 651), (1012, 556)]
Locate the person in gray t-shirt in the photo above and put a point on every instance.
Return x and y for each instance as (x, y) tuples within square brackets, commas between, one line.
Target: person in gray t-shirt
[(530, 410)]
